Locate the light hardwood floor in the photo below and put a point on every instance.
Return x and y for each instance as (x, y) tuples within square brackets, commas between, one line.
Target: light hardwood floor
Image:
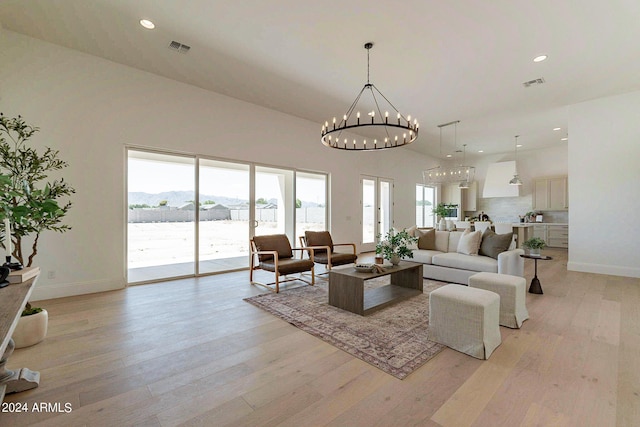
[(191, 352)]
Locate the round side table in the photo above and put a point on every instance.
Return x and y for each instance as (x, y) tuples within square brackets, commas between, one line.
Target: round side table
[(535, 287)]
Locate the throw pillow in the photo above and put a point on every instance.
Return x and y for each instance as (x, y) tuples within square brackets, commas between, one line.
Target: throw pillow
[(493, 244), (426, 239), (469, 242)]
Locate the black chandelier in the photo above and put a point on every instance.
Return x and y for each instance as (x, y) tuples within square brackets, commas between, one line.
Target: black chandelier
[(379, 131)]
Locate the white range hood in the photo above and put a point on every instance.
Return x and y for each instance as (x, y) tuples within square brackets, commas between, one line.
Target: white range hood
[(496, 184)]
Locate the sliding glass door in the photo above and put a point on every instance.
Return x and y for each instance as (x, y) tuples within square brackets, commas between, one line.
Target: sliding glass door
[(189, 215), (273, 201), (161, 216), (311, 203), (223, 232)]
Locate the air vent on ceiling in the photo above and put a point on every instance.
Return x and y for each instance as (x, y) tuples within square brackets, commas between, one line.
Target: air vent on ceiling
[(179, 47), (533, 82)]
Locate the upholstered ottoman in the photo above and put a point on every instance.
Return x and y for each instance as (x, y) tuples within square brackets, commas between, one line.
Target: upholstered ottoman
[(465, 319), (512, 291)]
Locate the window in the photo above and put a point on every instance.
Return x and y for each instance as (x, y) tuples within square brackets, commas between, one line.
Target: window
[(190, 215), (425, 200), (311, 203)]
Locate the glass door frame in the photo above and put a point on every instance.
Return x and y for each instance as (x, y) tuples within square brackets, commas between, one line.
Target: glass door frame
[(377, 210), (290, 221)]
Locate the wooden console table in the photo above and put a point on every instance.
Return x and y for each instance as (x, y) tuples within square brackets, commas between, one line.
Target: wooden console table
[(13, 298)]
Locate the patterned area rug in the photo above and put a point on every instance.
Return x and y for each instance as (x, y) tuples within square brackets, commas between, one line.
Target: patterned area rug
[(394, 339)]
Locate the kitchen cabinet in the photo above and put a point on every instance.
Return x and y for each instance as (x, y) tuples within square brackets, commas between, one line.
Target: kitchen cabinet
[(550, 194), (470, 197), (540, 231), (556, 236), (451, 194)]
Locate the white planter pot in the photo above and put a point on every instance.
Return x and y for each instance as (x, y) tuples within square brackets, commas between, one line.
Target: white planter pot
[(31, 329)]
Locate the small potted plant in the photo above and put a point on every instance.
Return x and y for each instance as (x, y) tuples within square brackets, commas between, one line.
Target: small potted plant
[(441, 211), (395, 246), (534, 245), (32, 327)]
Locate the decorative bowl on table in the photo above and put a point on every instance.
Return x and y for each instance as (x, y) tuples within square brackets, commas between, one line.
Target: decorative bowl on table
[(363, 268)]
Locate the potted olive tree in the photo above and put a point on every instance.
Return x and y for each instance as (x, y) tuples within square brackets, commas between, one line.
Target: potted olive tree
[(30, 201)]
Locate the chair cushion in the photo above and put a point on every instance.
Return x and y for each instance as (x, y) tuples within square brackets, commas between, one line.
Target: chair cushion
[(319, 238), (287, 265), (274, 242), (494, 244), (336, 258)]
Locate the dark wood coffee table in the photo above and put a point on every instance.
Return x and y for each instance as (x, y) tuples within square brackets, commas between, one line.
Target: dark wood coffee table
[(346, 287)]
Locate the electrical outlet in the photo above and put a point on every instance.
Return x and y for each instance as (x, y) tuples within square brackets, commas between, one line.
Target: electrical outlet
[(51, 274)]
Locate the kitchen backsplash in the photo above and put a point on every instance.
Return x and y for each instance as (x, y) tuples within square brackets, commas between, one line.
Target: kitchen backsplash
[(509, 209)]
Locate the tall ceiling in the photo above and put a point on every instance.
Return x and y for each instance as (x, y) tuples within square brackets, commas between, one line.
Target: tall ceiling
[(437, 60)]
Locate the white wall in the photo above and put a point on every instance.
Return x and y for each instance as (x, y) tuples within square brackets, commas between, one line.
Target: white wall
[(604, 174), (89, 108)]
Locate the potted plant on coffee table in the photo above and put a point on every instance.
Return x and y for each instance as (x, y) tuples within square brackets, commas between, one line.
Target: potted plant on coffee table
[(534, 245), (395, 245)]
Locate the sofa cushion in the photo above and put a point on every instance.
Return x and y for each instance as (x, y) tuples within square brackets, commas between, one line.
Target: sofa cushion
[(454, 239), (469, 243), (426, 239), (424, 255), (494, 244), (465, 262), (442, 241)]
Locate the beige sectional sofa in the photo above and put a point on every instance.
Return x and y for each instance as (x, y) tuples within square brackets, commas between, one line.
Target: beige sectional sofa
[(444, 262)]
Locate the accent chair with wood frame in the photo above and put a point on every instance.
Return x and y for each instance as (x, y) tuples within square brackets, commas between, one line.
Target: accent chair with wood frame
[(274, 253), (323, 249)]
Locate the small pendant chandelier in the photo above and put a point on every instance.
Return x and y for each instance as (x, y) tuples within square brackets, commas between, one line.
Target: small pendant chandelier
[(516, 179), (462, 174), (379, 130)]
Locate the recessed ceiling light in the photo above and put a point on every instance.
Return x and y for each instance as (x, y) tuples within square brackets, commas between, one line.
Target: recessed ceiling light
[(557, 128), (540, 58), (564, 139), (147, 24), (480, 151), (518, 145), (449, 155)]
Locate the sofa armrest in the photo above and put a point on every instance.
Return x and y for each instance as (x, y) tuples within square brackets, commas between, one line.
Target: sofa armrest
[(510, 262)]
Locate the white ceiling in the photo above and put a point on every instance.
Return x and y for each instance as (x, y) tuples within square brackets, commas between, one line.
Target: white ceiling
[(436, 60)]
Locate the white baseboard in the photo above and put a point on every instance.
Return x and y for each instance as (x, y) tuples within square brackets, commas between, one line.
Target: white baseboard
[(44, 292), (612, 270)]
